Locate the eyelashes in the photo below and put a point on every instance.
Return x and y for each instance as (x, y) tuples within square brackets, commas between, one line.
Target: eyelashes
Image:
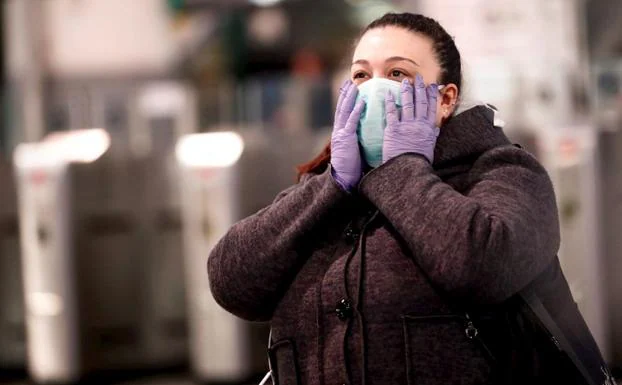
[(396, 73)]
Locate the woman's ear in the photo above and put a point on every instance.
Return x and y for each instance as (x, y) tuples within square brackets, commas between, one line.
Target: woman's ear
[(447, 101)]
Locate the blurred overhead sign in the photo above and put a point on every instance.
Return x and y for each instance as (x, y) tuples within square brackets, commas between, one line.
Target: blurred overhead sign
[(94, 38)]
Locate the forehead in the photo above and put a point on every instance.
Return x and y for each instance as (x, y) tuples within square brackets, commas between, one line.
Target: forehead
[(379, 44)]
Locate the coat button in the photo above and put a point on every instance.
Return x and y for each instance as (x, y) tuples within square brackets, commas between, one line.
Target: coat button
[(344, 309)]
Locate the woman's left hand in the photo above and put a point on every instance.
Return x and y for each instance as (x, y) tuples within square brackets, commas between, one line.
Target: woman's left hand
[(416, 132)]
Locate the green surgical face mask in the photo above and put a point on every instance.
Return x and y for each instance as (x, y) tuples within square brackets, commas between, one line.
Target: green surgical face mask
[(373, 121)]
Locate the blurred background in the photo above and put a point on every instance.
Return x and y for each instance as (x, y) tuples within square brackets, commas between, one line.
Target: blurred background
[(134, 133)]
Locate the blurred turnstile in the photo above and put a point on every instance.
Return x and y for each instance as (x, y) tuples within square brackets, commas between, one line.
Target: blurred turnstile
[(12, 329), (100, 295), (610, 152), (226, 177), (218, 341), (608, 112), (570, 157)]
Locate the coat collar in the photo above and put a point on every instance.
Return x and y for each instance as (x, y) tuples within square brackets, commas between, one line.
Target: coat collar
[(467, 135)]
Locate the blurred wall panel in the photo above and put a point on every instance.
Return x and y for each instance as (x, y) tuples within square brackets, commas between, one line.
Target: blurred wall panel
[(508, 52), (24, 52), (107, 37), (12, 329)]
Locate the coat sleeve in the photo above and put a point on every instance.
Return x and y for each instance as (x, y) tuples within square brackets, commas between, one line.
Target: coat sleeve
[(252, 266), (483, 245)]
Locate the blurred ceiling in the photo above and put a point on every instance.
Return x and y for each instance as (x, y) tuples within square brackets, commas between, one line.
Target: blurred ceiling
[(256, 39), (221, 4), (327, 27)]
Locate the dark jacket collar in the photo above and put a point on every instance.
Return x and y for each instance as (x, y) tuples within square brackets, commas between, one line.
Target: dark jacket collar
[(466, 136)]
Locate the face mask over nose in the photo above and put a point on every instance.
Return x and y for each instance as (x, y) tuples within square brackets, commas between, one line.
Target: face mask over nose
[(373, 121)]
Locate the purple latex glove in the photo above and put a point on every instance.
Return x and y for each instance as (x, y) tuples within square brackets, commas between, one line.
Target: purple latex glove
[(416, 131), (347, 166)]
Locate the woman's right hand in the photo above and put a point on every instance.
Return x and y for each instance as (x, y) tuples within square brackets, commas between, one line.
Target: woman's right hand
[(346, 162)]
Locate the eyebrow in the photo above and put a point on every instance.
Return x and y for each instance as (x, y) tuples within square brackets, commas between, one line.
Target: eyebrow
[(400, 58), (391, 59)]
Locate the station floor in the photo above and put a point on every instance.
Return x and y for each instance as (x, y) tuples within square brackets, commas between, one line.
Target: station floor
[(161, 380), (156, 379)]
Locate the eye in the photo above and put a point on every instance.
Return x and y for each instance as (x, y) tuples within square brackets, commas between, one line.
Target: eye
[(398, 74), (360, 77)]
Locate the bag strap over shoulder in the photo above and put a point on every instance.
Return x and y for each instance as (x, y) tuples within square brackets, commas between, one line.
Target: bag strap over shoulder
[(558, 337)]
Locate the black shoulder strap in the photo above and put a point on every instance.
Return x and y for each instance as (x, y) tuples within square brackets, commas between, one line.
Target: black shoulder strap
[(536, 305), (544, 316)]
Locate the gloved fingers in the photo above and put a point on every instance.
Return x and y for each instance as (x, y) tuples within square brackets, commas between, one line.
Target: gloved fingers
[(391, 110), (343, 90), (408, 106), (421, 99), (353, 121), (432, 94), (346, 106)]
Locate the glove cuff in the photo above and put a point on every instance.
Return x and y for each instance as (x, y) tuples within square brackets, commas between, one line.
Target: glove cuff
[(342, 183)]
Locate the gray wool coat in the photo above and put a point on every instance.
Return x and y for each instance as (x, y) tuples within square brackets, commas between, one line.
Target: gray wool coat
[(364, 288)]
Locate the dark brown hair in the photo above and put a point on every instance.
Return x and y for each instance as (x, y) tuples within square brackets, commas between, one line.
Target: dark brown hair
[(444, 47)]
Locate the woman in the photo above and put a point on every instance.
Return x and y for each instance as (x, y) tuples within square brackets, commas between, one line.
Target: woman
[(398, 257)]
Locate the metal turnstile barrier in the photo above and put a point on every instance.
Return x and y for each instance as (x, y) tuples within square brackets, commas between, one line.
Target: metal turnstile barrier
[(219, 342), (225, 177), (570, 156), (610, 153), (607, 96)]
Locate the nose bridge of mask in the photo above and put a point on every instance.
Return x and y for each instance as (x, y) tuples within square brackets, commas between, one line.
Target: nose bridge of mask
[(375, 90), (373, 121)]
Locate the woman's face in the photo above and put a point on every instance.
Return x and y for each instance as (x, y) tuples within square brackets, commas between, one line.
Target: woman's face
[(395, 53)]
